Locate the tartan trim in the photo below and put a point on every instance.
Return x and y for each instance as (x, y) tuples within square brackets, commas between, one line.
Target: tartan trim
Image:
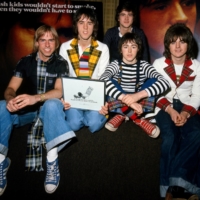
[(74, 59), (163, 103), (186, 72), (189, 109), (35, 143), (147, 103), (114, 103), (185, 75), (93, 58), (191, 78), (170, 71)]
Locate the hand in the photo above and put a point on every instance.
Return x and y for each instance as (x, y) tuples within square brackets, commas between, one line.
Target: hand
[(65, 104), (104, 109), (175, 116), (137, 108), (12, 106), (128, 99), (20, 102), (184, 116)]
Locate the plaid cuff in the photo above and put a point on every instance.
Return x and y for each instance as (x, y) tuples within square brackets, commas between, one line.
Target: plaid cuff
[(148, 104), (163, 103), (189, 109), (114, 103)]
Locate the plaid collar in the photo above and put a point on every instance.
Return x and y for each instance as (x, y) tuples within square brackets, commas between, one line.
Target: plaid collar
[(93, 58), (74, 43), (186, 72)]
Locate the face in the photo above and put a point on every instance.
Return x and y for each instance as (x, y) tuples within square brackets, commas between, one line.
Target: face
[(20, 39), (129, 52), (85, 28), (125, 19), (159, 15), (178, 50), (46, 46)]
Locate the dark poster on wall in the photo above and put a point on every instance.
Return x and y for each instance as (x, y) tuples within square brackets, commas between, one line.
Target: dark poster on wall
[(19, 20), (155, 17)]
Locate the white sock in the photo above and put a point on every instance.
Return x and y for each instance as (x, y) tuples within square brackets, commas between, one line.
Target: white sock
[(2, 157), (52, 154)]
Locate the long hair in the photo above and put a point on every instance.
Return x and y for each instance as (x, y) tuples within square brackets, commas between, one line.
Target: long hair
[(43, 30), (179, 30), (88, 13)]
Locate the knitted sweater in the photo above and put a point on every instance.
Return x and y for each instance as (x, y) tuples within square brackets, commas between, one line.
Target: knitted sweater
[(128, 78)]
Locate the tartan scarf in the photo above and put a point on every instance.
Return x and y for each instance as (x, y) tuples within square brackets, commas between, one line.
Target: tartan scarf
[(35, 143), (35, 137), (93, 57), (41, 74)]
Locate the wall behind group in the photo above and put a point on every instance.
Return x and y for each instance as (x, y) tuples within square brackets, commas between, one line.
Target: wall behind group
[(20, 18)]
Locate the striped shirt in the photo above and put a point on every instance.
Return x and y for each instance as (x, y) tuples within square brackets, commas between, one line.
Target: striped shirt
[(128, 76)]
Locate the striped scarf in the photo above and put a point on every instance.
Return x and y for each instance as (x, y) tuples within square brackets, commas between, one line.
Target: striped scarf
[(84, 70)]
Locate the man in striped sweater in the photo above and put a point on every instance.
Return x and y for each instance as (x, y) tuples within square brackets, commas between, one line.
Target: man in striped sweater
[(126, 88)]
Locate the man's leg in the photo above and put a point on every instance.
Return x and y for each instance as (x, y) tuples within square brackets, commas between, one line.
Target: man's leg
[(94, 120), (184, 171), (7, 120), (57, 133), (170, 135), (75, 118)]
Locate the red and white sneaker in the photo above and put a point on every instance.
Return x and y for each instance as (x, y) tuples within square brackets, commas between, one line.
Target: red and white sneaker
[(115, 122), (151, 129)]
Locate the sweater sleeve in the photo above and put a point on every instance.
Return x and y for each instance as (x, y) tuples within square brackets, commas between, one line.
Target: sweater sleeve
[(111, 71), (161, 84)]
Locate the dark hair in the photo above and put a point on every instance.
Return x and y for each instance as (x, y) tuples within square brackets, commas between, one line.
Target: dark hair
[(127, 6), (179, 30), (88, 13), (131, 37)]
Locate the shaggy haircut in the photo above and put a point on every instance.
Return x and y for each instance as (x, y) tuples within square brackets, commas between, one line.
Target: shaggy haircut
[(88, 13), (181, 31)]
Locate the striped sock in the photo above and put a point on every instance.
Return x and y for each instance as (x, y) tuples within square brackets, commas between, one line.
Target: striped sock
[(129, 112)]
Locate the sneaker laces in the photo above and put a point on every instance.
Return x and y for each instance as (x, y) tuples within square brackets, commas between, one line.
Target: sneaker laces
[(145, 125), (51, 172), (117, 120)]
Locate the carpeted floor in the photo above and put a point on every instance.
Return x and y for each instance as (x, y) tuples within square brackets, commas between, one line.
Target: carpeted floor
[(121, 165)]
